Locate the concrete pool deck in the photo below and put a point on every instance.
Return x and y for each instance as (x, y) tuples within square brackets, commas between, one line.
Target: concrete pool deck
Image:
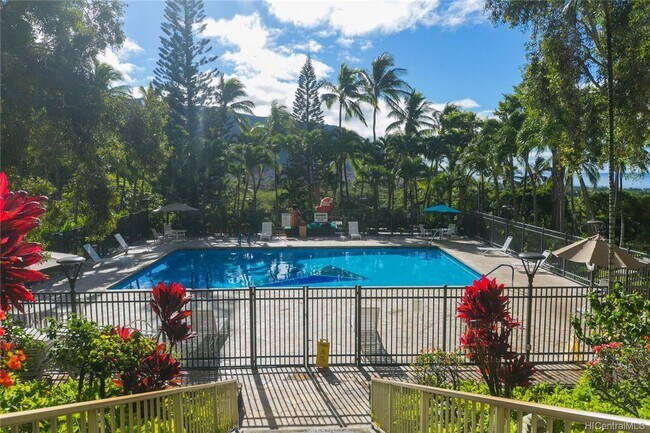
[(99, 277)]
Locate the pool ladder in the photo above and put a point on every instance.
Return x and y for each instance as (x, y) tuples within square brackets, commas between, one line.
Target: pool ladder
[(194, 280), (512, 272)]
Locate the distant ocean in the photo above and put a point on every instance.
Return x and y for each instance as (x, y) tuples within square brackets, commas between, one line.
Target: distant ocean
[(635, 182)]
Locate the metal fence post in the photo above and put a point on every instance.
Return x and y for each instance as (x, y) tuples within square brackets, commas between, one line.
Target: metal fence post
[(542, 247), (523, 236), (444, 318), (492, 231), (253, 326), (566, 242), (357, 325), (305, 325)]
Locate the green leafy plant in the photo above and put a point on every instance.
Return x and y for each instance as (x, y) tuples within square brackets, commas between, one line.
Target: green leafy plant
[(616, 317), (87, 351), (37, 394), (620, 374), (435, 367)]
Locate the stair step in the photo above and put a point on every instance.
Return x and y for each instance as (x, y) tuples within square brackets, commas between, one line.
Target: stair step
[(313, 430)]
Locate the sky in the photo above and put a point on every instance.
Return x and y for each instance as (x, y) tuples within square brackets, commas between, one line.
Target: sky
[(451, 52)]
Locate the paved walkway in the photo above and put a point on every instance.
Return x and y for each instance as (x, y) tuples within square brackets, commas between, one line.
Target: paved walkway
[(277, 397)]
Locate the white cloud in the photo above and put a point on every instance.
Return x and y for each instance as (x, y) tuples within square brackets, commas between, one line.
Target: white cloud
[(345, 41), (361, 17), (365, 45), (465, 103), (461, 11), (117, 59), (268, 70), (311, 46), (486, 114), (353, 18)]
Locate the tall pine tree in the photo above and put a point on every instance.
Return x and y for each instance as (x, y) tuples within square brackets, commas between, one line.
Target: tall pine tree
[(183, 77), (306, 105)]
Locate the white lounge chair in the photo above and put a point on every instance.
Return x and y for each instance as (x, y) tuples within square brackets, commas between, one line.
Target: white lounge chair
[(503, 249), (93, 254), (157, 237), (353, 229), (123, 245), (267, 230), (451, 230), (424, 233)]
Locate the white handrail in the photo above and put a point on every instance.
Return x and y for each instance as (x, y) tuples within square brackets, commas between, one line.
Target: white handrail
[(397, 407), (184, 408)]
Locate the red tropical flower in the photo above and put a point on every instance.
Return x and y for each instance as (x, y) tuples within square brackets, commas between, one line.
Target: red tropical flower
[(19, 214)]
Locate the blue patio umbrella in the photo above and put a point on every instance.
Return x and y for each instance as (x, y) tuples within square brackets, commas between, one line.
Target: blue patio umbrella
[(441, 208)]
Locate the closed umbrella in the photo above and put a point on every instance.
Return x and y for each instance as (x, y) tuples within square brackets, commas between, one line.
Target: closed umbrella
[(595, 250)]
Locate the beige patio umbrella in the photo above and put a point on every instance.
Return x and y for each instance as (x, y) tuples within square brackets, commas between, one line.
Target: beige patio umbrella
[(595, 250)]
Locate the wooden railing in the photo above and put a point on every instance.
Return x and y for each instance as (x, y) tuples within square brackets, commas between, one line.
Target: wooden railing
[(193, 409), (398, 407)]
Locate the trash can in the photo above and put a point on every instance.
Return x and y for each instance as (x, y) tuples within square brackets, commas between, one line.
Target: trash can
[(323, 354), (302, 231)]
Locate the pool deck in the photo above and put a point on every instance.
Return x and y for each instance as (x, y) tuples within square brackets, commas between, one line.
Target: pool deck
[(98, 277)]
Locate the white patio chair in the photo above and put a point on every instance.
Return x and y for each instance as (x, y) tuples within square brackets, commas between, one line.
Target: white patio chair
[(94, 257), (267, 230), (502, 249), (353, 229), (157, 237), (123, 245), (424, 233), (451, 230)]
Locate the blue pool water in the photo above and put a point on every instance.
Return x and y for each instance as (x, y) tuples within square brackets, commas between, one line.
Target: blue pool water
[(297, 267)]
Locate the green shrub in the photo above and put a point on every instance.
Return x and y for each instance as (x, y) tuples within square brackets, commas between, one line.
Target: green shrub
[(616, 317), (435, 367), (37, 394)]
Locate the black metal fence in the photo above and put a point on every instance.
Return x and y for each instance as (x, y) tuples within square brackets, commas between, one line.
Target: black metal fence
[(364, 325), (494, 230)]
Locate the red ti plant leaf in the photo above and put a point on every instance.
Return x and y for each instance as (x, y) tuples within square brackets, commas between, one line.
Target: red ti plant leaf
[(167, 302), (484, 310), (19, 214), (160, 370)]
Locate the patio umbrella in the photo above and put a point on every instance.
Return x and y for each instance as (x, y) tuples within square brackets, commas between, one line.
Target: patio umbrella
[(176, 207), (441, 208), (595, 250)]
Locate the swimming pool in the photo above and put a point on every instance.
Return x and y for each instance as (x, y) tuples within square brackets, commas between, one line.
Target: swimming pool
[(297, 267)]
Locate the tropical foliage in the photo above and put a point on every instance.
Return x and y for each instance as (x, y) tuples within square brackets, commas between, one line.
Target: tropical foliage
[(101, 152)]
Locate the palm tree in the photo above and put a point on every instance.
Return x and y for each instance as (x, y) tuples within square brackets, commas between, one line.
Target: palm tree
[(347, 92), (230, 97), (382, 82), (279, 125), (415, 116)]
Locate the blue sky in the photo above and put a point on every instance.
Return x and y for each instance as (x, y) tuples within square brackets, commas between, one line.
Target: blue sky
[(452, 53)]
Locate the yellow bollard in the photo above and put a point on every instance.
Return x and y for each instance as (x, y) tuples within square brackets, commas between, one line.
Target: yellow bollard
[(323, 353)]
